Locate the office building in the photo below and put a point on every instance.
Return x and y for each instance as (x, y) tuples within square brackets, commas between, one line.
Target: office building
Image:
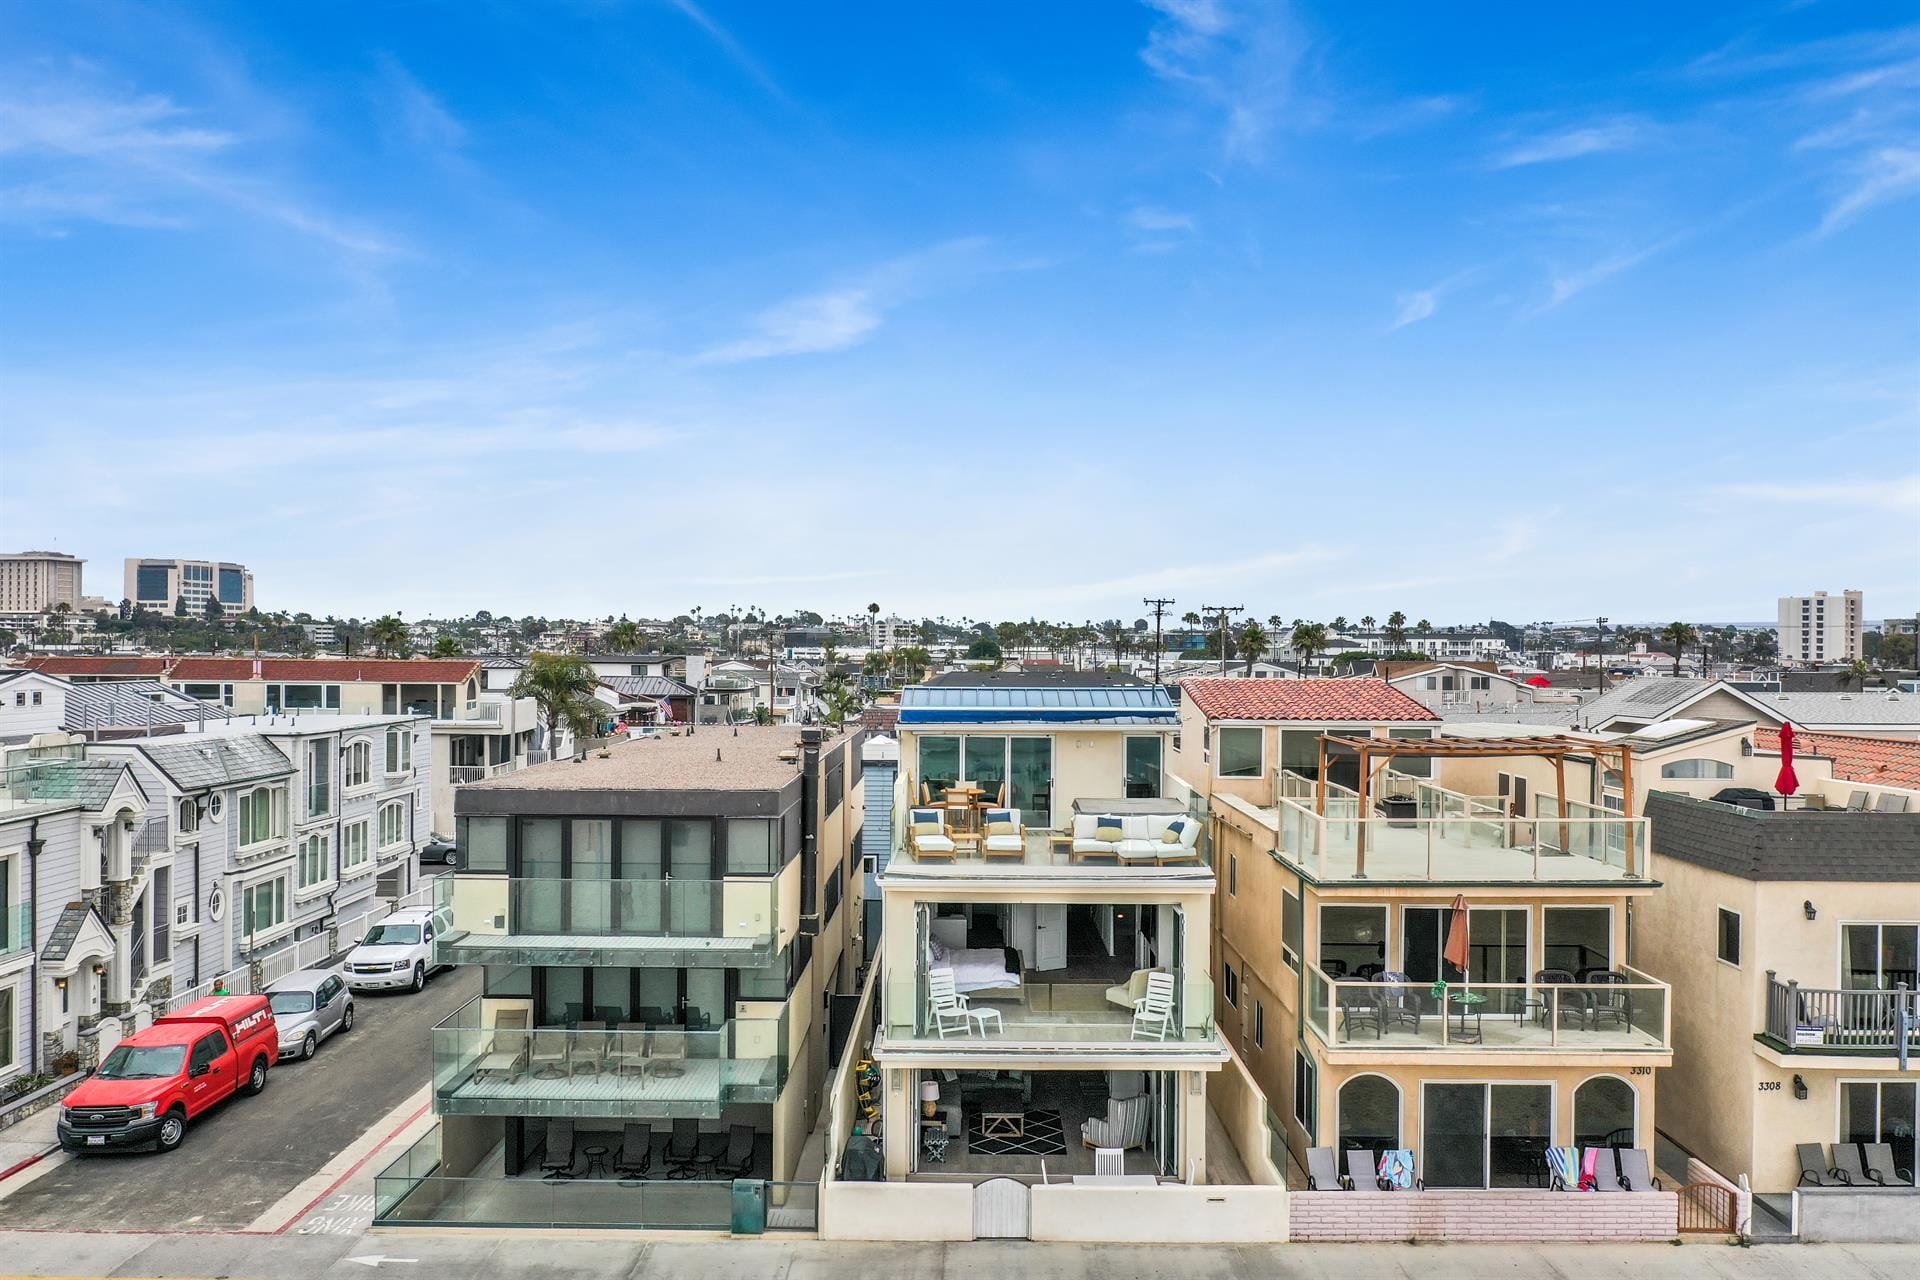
[(159, 585), (36, 581)]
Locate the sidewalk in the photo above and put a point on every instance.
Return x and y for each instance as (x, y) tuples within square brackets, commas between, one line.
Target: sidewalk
[(28, 1140)]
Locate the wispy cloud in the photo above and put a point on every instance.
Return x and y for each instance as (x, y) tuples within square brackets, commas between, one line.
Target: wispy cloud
[(1902, 493), (419, 115), (1153, 219), (1240, 60), (1891, 173), (1617, 133), (731, 47), (1564, 285), (1421, 304)]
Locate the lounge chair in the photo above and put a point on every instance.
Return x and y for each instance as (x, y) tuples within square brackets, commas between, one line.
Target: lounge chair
[(1609, 1006), (1891, 802), (683, 1149), (1359, 1007), (1004, 835), (1880, 1166), (557, 1162), (945, 1004), (506, 1053), (667, 1054), (1857, 802), (1563, 1166), (1128, 1123), (1109, 1162), (548, 1057), (636, 1149), (1605, 1165), (737, 1160), (1363, 1170), (1323, 1171), (1399, 1002), (1545, 1004), (1396, 1171), (1847, 1164), (928, 836), (1814, 1169), (1636, 1170), (1153, 1012)]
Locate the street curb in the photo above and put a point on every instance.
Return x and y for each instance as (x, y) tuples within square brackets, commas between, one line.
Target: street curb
[(28, 1163)]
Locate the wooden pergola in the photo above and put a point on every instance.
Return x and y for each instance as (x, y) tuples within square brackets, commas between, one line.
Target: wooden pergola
[(1376, 753)]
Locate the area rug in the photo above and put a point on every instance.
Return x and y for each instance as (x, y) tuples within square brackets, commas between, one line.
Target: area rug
[(1045, 1136)]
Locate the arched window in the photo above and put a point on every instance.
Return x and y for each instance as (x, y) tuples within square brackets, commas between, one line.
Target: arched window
[(1698, 767), (1369, 1114), (357, 768), (1604, 1110)]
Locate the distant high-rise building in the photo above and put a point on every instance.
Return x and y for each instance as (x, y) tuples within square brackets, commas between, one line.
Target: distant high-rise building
[(158, 585), (36, 581), (1821, 627)]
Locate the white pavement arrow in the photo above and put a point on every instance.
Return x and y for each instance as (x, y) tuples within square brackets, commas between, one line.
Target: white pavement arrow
[(375, 1259)]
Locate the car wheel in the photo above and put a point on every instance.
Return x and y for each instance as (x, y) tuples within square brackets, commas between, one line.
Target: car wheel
[(173, 1130), (309, 1046), (257, 1078), (346, 1020), (419, 976)]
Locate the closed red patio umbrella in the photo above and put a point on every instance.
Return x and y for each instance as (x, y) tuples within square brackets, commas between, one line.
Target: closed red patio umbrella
[(1788, 781), (1456, 950)]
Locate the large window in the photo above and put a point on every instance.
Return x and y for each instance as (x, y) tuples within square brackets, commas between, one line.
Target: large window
[(1413, 766), (319, 778), (939, 764), (1578, 939), (1030, 775), (1880, 956), (356, 768), (1025, 765), (399, 750), (1306, 1084), (263, 815), (310, 860), (1143, 767), (1369, 1115), (985, 764), (1880, 1111), (1290, 929), (393, 823), (482, 844), (1485, 1135), (353, 846), (9, 1038), (752, 846), (1300, 751), (1696, 768), (1353, 941), (1237, 752), (263, 906)]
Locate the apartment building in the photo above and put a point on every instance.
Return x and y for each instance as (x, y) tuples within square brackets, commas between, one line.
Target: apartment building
[(1791, 938), (158, 585), (1821, 628), (33, 582), (661, 925), (1463, 687)]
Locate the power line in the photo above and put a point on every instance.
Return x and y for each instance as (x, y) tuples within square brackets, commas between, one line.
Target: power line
[(1221, 611), (1159, 606)]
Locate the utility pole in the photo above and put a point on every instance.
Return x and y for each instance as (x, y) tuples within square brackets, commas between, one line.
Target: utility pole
[(1159, 606), (1601, 635), (1221, 611)]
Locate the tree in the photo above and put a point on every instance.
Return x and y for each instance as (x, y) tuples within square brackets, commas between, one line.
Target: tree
[(983, 650), (390, 638), (561, 687), (1366, 623), (623, 636), (215, 610), (915, 661), (447, 645), (1396, 636), (1308, 639), (179, 606), (1339, 622), (1678, 635), (1423, 625), (1854, 674), (1896, 651), (126, 609), (1252, 643)]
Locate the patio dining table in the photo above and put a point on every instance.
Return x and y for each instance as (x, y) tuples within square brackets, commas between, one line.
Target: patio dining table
[(1467, 1003)]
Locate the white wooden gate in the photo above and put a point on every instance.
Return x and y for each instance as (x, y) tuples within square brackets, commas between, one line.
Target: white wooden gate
[(1002, 1210)]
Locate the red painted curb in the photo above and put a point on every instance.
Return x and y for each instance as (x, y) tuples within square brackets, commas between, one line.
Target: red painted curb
[(334, 1186), (28, 1163)]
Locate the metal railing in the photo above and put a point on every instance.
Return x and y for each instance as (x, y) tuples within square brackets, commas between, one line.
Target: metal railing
[(1634, 1014), (1051, 1015), (315, 952), (1821, 1018), (459, 774), (238, 982)]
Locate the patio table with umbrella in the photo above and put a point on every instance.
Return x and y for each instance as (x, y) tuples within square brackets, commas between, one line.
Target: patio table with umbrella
[(1465, 1001)]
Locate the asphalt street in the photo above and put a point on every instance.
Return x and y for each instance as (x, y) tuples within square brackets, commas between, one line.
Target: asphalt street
[(249, 1152)]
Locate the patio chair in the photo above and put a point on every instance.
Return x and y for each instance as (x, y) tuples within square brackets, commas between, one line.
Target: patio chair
[(667, 1054), (1363, 1170), (1541, 1004), (557, 1162), (1400, 1002), (1323, 1171), (1333, 968), (1636, 1170), (1847, 1164), (506, 1053), (628, 1053), (1005, 837), (1109, 1162), (1880, 1166), (945, 1005), (1602, 1165), (1563, 1168), (1127, 1124), (683, 1148), (1890, 802), (1153, 1012), (928, 837), (589, 1047), (1857, 802), (1814, 1169), (737, 1160), (636, 1149), (548, 1056), (1359, 1007), (1609, 1006)]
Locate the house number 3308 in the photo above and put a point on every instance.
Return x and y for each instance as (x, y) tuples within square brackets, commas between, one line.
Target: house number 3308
[(1769, 1086)]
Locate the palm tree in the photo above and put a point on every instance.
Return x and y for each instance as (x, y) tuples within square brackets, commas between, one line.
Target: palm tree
[(1366, 623), (1192, 620), (1396, 630), (1423, 625), (1854, 674), (561, 687), (446, 645), (1308, 639), (1339, 622), (1274, 624), (623, 637), (1252, 643), (390, 637), (1679, 635)]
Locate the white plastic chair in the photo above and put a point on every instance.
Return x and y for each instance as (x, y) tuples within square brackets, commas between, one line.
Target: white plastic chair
[(948, 1006), (1153, 1012), (1109, 1162)]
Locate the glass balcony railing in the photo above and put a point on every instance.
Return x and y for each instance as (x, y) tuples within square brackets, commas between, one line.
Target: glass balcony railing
[(626, 1070), (1579, 846), (1630, 1012), (1033, 1015), (16, 927), (515, 920)]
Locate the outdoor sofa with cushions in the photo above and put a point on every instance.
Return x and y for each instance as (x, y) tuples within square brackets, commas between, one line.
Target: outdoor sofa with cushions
[(1133, 990), (927, 830), (1154, 837)]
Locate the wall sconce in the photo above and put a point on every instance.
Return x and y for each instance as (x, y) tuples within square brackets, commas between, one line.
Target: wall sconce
[(99, 970), (1807, 906), (59, 984), (1799, 1089)]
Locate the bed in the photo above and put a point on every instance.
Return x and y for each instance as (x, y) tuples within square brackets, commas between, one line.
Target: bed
[(991, 973)]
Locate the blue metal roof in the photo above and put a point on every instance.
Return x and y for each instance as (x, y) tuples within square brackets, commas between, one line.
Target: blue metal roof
[(949, 704)]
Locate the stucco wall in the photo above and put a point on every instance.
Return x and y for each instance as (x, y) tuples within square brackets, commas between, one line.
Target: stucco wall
[(1163, 1214), (896, 1211)]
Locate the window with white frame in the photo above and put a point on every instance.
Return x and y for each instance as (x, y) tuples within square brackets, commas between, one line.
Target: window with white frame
[(189, 816), (319, 778), (263, 906), (310, 859), (393, 824), (9, 1034), (263, 815), (353, 846), (1238, 752), (1697, 767), (356, 765), (399, 750)]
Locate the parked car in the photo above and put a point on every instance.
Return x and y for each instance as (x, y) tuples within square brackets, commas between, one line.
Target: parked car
[(309, 1006), (438, 850), (397, 952), (155, 1081)]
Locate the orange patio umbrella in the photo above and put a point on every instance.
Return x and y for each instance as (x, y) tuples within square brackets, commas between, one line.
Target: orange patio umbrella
[(1456, 952)]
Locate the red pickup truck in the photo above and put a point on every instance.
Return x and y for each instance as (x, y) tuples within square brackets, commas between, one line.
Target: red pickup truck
[(155, 1081)]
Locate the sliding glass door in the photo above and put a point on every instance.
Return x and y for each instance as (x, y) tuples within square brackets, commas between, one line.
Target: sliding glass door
[(1880, 1111), (1879, 957), (1030, 775), (1485, 1135), (986, 766)]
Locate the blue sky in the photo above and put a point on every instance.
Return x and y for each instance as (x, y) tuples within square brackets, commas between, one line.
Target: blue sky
[(981, 309)]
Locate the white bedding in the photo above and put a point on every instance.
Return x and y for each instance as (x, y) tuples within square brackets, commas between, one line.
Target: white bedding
[(975, 968)]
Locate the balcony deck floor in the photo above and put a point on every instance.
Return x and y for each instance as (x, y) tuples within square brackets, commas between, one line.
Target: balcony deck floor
[(698, 1081), (1504, 1031)]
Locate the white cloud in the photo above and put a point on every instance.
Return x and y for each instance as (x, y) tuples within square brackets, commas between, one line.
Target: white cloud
[(1240, 60), (1564, 285), (831, 321), (1420, 304), (1617, 134), (1901, 493), (1154, 219), (1891, 173), (420, 116), (731, 47)]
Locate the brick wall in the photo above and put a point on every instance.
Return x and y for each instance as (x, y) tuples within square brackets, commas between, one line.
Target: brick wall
[(1466, 1216)]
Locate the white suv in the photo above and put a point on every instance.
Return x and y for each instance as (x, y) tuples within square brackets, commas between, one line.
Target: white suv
[(397, 952)]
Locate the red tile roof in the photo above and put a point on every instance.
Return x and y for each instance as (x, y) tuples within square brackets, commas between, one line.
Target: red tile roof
[(130, 668), (1887, 762), (1222, 698), (345, 670)]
